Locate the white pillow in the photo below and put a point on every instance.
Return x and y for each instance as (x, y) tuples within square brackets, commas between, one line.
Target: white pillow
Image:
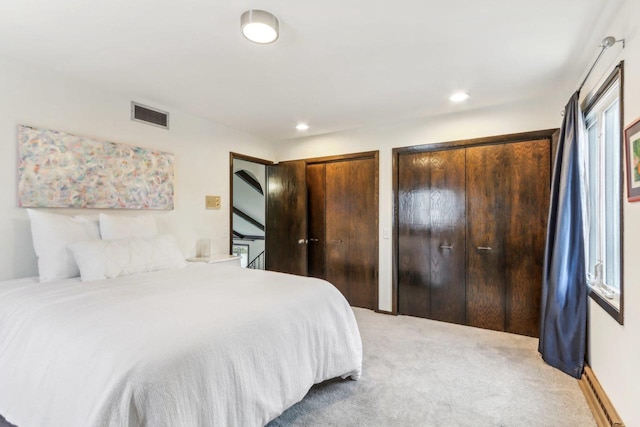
[(52, 234), (125, 227), (106, 259)]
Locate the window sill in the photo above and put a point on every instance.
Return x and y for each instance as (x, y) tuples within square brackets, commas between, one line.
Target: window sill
[(611, 306)]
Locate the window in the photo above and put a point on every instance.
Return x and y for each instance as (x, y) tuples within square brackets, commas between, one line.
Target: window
[(603, 120)]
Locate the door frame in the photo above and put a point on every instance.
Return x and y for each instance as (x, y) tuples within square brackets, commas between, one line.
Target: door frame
[(247, 158), (315, 160), (449, 145), (340, 157)]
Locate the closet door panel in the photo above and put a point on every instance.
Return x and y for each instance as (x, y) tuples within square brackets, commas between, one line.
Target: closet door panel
[(527, 166), (337, 225), (447, 248), (363, 232), (316, 219), (414, 248), (485, 182)]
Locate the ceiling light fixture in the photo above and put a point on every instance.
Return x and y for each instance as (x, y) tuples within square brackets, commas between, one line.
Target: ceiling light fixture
[(459, 97), (302, 126), (259, 26)]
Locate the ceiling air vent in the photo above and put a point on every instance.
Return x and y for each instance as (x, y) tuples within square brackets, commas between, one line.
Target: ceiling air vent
[(148, 115)]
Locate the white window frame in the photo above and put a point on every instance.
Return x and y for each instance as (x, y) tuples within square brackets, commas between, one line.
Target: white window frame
[(608, 294)]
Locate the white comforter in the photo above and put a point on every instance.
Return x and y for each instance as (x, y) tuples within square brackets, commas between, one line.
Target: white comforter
[(208, 345)]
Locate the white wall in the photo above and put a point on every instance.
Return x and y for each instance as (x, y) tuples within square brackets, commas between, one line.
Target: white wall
[(35, 96), (523, 117), (614, 349)]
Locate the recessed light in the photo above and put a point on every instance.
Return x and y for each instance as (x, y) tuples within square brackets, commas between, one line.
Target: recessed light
[(259, 26), (302, 126), (459, 97)]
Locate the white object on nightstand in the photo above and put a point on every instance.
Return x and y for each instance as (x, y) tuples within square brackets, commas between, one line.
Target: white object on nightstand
[(213, 259)]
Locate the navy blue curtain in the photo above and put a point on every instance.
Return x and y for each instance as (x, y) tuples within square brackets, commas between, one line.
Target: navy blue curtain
[(563, 317)]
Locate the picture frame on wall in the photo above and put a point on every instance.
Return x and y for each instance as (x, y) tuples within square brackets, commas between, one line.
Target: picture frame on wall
[(632, 149)]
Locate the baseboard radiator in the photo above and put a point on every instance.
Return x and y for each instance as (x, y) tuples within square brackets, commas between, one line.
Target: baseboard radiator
[(603, 411)]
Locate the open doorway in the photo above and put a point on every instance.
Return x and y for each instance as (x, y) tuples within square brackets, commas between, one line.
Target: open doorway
[(248, 209)]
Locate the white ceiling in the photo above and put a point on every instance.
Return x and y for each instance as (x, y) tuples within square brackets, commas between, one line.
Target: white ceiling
[(337, 64)]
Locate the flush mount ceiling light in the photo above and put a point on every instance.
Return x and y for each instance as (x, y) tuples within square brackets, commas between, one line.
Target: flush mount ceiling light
[(302, 126), (459, 97), (259, 26)]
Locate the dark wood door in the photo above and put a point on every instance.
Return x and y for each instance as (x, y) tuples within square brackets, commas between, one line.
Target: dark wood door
[(337, 225), (485, 183), (414, 248), (316, 219), (527, 192), (351, 250), (431, 235), (448, 248), (286, 222), (363, 234)]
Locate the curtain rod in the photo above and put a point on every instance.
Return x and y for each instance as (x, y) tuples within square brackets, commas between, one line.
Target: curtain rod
[(607, 42)]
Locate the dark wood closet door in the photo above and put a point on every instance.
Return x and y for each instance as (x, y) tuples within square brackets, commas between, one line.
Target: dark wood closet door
[(316, 219), (338, 193), (486, 176), (286, 222), (363, 232), (448, 249), (527, 166), (431, 235), (414, 248)]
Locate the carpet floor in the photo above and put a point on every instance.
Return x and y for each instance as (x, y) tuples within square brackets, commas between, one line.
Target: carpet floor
[(419, 372)]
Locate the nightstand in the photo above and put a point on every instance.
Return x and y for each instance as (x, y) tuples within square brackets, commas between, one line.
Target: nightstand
[(219, 258)]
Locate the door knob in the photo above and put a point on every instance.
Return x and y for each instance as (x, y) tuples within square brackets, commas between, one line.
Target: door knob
[(446, 247), (302, 242), (484, 248), (314, 240), (337, 241)]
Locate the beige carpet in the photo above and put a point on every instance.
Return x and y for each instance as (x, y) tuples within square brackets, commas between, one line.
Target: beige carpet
[(420, 372)]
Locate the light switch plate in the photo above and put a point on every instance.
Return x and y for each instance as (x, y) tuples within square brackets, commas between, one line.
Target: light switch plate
[(212, 202)]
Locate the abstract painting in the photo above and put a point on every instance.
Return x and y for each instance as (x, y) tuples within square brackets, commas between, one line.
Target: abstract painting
[(60, 170)]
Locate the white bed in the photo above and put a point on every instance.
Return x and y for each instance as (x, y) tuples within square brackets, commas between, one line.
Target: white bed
[(206, 345)]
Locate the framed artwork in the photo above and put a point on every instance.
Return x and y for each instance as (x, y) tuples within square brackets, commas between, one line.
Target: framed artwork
[(632, 148), (60, 170)]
